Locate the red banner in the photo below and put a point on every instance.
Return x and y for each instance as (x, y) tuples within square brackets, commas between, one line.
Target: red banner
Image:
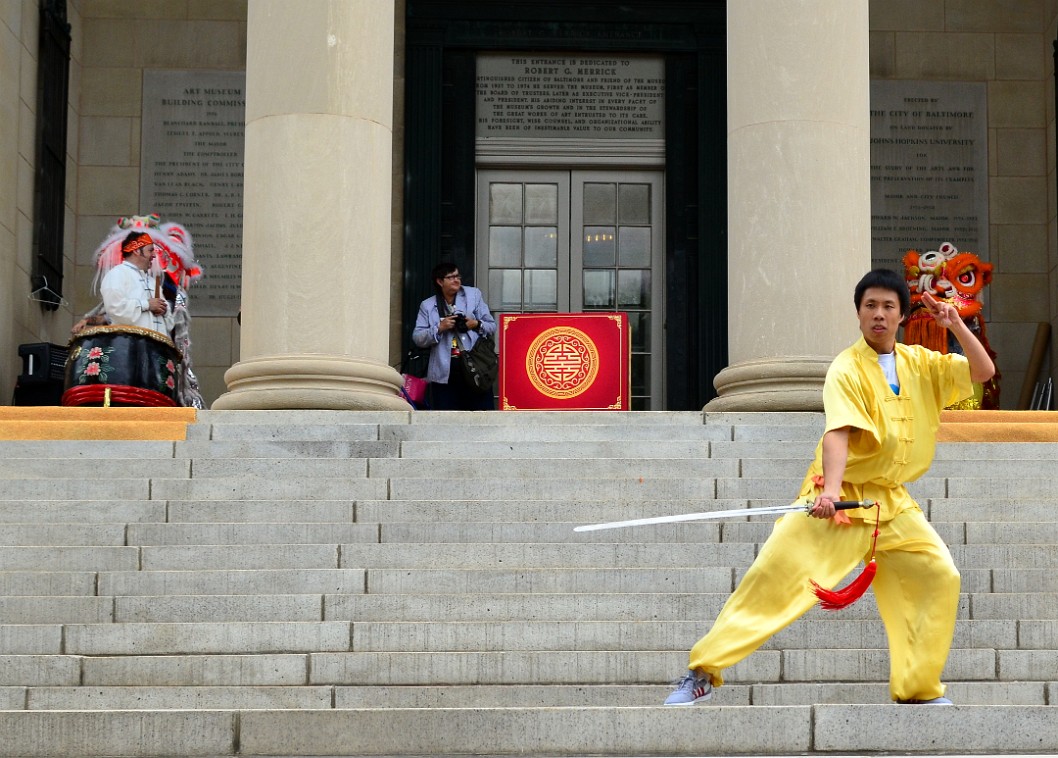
[(565, 361)]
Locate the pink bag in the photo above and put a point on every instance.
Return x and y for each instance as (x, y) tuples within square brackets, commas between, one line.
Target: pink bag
[(414, 388)]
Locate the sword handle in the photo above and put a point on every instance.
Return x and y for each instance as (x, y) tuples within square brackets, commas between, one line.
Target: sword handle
[(844, 505)]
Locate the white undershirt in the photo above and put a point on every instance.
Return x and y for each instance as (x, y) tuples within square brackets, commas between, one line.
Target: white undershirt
[(888, 363)]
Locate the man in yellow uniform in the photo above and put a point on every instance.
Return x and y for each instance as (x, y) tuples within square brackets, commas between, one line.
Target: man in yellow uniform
[(883, 402)]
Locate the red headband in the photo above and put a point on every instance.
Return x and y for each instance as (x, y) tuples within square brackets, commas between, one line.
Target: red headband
[(133, 245)]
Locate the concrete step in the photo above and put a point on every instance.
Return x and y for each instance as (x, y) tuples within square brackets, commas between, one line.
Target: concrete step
[(76, 489), (300, 430), (1032, 487), (82, 511), (628, 666), (56, 609), (543, 555), (281, 468), (81, 469), (759, 467), (62, 534), (16, 583), (614, 487), (313, 533), (809, 634), (602, 695), (443, 435), (267, 488), (572, 510), (253, 448), (625, 449), (245, 557), (30, 639), (542, 606), (236, 638), (783, 490), (760, 730), (259, 609), (507, 667), (538, 468), (487, 696), (559, 580), (440, 555), (263, 511), (1024, 580), (98, 451), (177, 698), (93, 558), (1003, 510), (289, 581)]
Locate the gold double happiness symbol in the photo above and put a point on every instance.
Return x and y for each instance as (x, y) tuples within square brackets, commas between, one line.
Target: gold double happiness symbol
[(562, 362)]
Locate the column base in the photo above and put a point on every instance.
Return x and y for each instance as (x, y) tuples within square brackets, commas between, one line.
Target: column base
[(772, 384), (311, 382)]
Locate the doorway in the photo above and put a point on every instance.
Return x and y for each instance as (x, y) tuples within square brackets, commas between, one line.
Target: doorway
[(578, 241)]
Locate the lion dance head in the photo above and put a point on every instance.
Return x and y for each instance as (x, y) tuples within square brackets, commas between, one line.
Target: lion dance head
[(956, 278)]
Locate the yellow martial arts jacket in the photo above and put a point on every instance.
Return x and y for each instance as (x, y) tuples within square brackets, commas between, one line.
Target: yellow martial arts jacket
[(892, 437)]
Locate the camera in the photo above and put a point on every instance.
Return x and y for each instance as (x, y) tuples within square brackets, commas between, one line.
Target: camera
[(460, 322)]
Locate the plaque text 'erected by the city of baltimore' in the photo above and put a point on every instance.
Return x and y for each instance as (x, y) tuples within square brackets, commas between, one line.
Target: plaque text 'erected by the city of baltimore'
[(564, 96), (929, 168)]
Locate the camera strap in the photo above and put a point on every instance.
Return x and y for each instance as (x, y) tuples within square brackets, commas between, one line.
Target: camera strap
[(443, 310)]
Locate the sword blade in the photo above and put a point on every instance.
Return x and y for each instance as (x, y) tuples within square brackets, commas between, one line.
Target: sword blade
[(765, 510)]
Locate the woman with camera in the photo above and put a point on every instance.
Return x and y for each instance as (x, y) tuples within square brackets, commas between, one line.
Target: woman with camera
[(450, 322)]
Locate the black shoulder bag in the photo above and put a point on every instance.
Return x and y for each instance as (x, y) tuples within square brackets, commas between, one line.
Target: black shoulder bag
[(481, 364)]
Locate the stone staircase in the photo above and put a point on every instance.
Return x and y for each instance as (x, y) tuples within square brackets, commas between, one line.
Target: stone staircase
[(354, 583)]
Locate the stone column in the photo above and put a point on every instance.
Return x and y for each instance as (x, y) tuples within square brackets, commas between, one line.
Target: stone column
[(799, 196), (316, 214)]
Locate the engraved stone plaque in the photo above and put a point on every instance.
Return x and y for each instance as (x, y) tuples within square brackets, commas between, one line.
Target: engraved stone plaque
[(570, 96), (929, 168), (191, 170)]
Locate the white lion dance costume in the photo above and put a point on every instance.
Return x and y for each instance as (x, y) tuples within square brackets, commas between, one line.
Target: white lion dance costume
[(176, 265)]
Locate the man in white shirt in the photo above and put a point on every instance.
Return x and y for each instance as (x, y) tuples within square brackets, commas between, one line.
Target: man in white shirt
[(128, 292)]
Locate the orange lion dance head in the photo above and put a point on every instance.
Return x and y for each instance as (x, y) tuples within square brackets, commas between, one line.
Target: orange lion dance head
[(956, 278)]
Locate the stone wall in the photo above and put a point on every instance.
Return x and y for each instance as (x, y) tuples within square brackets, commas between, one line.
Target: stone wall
[(21, 319), (1007, 46)]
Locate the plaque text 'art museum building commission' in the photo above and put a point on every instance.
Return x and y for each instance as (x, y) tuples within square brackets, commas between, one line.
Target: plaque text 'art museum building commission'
[(191, 171)]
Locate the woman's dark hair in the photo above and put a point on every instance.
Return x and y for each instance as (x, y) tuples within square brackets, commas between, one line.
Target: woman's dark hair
[(440, 271), (885, 279)]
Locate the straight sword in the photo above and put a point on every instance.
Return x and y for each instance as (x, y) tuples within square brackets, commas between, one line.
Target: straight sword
[(766, 510)]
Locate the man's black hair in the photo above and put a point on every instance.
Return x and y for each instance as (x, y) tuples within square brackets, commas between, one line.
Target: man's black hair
[(886, 279)]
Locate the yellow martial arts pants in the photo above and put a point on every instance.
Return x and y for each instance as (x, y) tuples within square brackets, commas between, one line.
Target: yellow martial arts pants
[(917, 589)]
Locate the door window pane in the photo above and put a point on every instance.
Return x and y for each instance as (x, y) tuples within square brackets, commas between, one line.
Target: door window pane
[(541, 203), (634, 247), (633, 289), (541, 290), (641, 374), (600, 203), (639, 326), (599, 245), (599, 290), (634, 204), (505, 290), (505, 246), (541, 246), (505, 203)]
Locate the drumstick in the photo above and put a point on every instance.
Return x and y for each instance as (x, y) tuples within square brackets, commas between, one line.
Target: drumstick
[(158, 285)]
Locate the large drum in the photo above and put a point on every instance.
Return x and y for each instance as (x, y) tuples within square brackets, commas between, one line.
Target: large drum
[(125, 365)]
